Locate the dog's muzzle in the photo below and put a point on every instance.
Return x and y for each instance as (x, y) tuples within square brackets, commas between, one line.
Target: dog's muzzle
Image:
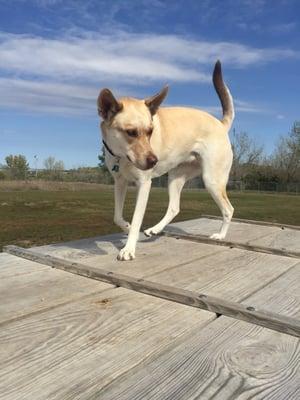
[(151, 161)]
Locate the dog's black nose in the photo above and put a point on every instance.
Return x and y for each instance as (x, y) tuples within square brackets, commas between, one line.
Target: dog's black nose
[(151, 161)]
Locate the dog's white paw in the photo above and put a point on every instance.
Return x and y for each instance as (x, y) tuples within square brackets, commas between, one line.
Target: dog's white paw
[(151, 231), (124, 225), (217, 236), (126, 254)]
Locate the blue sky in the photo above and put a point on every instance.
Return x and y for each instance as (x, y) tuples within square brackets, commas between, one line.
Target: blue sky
[(55, 56)]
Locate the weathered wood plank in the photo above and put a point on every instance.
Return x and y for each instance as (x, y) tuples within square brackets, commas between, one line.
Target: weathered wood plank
[(232, 274), (225, 360), (227, 273), (74, 351), (27, 287), (286, 240), (84, 349), (153, 255), (238, 245), (242, 234), (221, 271), (238, 232), (254, 222), (11, 266), (202, 301)]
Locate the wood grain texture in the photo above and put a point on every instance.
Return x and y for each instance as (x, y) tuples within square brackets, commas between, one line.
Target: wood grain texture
[(241, 233), (153, 255), (124, 345), (239, 245), (194, 299), (27, 287), (287, 240), (254, 222), (232, 274), (219, 271), (225, 360), (238, 232), (74, 351)]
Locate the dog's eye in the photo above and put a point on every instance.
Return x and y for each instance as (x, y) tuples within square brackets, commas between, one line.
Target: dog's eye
[(132, 132)]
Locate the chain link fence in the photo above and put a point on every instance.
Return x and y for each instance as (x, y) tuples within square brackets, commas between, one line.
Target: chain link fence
[(197, 183), (279, 187), (104, 177)]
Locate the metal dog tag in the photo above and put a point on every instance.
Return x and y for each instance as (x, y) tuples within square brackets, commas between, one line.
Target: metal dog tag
[(115, 168)]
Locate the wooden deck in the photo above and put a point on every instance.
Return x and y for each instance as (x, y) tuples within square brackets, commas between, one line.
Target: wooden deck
[(66, 336)]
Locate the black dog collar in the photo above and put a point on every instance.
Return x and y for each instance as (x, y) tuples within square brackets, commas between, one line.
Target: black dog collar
[(116, 166), (108, 149)]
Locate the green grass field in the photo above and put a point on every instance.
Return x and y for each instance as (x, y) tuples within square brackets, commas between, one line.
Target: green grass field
[(36, 217)]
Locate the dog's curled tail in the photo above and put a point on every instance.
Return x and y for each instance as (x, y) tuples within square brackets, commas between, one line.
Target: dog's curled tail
[(224, 95)]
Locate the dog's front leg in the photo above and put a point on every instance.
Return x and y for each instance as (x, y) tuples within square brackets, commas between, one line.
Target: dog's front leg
[(128, 252), (120, 193)]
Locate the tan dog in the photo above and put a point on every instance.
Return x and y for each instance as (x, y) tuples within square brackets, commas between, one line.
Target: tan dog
[(144, 141)]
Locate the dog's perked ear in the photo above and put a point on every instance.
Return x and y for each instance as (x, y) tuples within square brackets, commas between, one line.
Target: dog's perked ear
[(107, 104), (155, 101)]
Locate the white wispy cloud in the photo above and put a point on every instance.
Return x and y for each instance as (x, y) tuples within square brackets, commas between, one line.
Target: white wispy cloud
[(94, 58), (125, 56), (71, 99), (64, 73), (274, 29), (52, 97), (239, 106), (47, 97), (246, 106)]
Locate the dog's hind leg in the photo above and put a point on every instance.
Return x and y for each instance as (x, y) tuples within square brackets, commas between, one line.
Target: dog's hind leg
[(176, 180), (120, 193), (217, 189)]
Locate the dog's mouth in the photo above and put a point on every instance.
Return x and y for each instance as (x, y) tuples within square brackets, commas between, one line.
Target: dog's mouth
[(137, 164), (149, 163), (143, 166)]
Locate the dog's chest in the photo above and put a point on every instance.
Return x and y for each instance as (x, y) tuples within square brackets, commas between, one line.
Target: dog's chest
[(133, 174)]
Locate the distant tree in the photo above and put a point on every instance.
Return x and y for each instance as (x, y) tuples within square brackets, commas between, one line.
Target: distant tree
[(51, 164), (245, 153), (59, 165), (286, 158), (101, 158), (17, 166), (53, 167)]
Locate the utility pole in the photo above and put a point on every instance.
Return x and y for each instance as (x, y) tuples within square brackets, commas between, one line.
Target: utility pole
[(36, 164)]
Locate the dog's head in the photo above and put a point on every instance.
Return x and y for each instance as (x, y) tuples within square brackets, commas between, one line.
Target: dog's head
[(128, 124)]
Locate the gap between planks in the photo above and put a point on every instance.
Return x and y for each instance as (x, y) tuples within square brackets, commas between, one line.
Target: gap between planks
[(216, 305), (253, 222), (243, 246)]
